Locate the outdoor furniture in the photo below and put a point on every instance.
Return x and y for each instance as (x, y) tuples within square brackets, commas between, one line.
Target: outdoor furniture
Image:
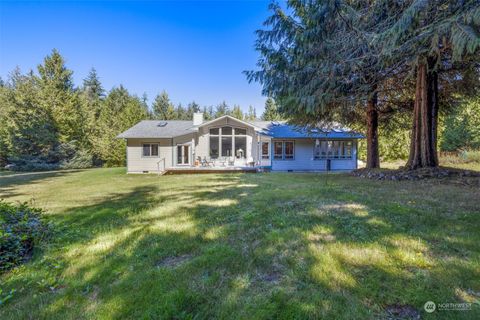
[(206, 163), (231, 161)]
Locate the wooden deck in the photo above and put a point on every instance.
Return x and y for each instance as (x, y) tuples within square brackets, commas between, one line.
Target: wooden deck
[(190, 170)]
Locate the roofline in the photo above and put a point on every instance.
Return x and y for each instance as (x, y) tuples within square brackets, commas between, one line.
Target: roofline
[(228, 116)]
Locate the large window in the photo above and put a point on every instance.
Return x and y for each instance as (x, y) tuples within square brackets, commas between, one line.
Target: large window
[(283, 150), (265, 153), (240, 146), (228, 142), (150, 150), (328, 149)]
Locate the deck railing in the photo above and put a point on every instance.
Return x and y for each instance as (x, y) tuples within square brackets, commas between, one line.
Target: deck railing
[(161, 161)]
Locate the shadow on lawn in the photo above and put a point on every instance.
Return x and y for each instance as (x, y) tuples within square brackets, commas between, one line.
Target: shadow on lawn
[(243, 251), (8, 183)]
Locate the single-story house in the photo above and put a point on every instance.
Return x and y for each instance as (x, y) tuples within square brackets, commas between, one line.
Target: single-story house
[(227, 142)]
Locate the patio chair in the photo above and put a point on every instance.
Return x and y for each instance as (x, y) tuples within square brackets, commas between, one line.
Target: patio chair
[(231, 161)]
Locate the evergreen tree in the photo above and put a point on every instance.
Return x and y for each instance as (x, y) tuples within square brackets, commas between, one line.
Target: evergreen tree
[(270, 113), (92, 86), (192, 108), (58, 96), (162, 107), (237, 112), (121, 111), (252, 114), (222, 109), (181, 113)]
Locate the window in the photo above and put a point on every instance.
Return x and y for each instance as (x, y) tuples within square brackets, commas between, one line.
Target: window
[(265, 153), (278, 150), (150, 150), (240, 146), (289, 150), (332, 149), (214, 147), (239, 131), (226, 146), (283, 150), (227, 131), (227, 142)]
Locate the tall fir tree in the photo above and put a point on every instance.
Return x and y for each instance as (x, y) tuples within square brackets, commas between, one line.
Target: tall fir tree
[(162, 107), (237, 112), (271, 113)]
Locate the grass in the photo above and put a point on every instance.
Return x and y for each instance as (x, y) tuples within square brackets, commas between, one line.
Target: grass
[(251, 246)]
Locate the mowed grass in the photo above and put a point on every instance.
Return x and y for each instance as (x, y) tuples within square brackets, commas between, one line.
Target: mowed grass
[(244, 246)]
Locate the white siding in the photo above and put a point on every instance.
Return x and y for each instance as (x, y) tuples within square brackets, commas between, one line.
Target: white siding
[(136, 163), (304, 161)]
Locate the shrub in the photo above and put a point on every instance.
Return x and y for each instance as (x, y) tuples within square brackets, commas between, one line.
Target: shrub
[(21, 229), (471, 155)]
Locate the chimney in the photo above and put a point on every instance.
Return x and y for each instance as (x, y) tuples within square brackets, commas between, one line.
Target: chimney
[(197, 118)]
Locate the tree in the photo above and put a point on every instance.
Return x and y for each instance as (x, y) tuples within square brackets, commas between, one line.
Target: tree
[(430, 35), (58, 96), (222, 109), (162, 107), (237, 112), (192, 108), (121, 111), (92, 86), (180, 113), (271, 113), (462, 127), (251, 115)]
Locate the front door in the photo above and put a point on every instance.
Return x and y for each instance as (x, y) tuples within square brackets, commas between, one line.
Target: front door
[(183, 154)]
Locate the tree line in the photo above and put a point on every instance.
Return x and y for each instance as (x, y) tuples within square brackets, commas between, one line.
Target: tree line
[(49, 123), (374, 65)]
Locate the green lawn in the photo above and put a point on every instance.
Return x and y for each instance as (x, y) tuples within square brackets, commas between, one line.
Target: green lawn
[(248, 246)]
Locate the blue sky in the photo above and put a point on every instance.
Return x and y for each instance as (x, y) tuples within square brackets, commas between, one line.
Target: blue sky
[(195, 50)]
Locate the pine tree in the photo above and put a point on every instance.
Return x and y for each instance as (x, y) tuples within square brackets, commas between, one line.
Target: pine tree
[(237, 112), (57, 95), (192, 108), (162, 107), (222, 109), (92, 86), (270, 113), (252, 114)]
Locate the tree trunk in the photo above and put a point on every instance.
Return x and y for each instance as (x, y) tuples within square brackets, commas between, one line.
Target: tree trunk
[(423, 145), (373, 159)]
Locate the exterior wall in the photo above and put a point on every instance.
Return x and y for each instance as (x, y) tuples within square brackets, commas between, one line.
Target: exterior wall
[(202, 142), (137, 163), (265, 162), (303, 158)]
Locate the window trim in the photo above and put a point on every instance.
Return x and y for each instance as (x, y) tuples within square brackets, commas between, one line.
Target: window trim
[(283, 156), (334, 156), (262, 155), (220, 135), (150, 149)]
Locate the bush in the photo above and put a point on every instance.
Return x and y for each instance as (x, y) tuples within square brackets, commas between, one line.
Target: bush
[(471, 155), (21, 229)]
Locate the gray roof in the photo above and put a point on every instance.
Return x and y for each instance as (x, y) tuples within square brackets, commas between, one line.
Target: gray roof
[(281, 130), (158, 129)]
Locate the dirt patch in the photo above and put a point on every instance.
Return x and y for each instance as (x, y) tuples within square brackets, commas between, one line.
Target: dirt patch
[(398, 311), (271, 277), (418, 174), (173, 262)]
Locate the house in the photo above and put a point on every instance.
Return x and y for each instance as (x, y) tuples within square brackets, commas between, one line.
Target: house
[(230, 143)]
